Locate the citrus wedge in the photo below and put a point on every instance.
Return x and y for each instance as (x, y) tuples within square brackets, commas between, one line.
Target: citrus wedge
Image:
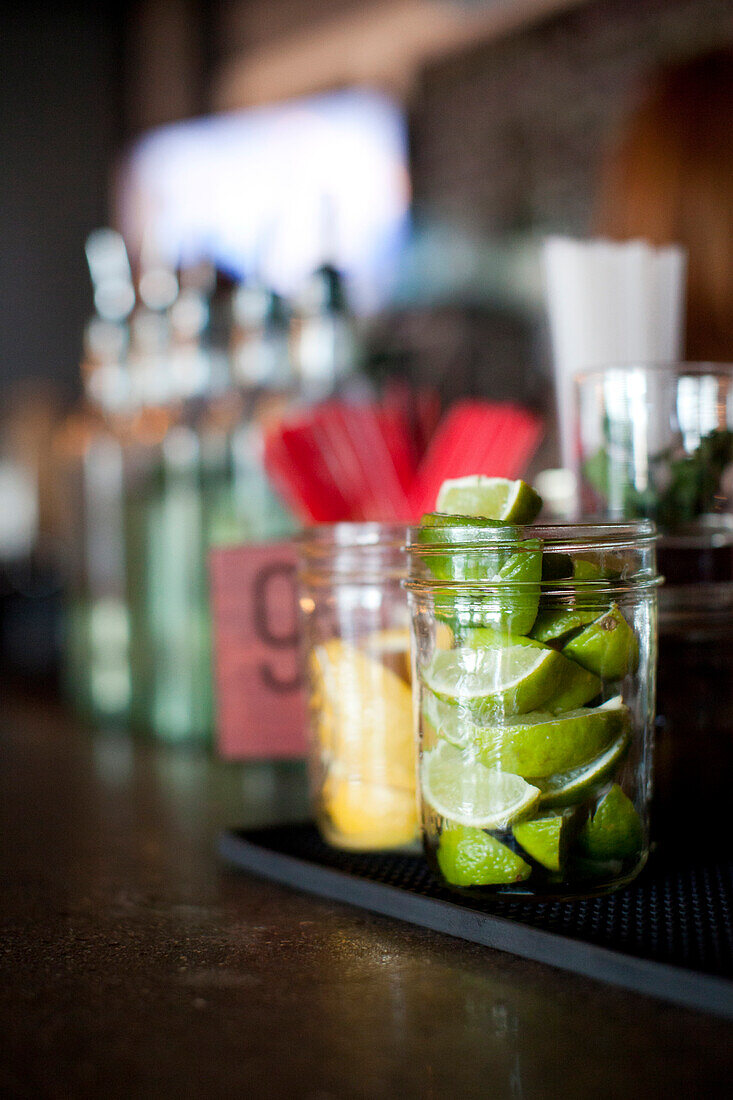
[(539, 745), (367, 815), (461, 789), (546, 838), (494, 681), (364, 714), (614, 831), (575, 786), (606, 647), (573, 686), (494, 497), (470, 857)]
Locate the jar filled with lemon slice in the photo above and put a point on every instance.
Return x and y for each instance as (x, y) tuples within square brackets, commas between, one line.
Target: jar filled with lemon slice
[(355, 620), (535, 656)]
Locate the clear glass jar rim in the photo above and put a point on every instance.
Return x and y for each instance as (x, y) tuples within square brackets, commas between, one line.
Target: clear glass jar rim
[(346, 535), (556, 536), (367, 553), (671, 368)]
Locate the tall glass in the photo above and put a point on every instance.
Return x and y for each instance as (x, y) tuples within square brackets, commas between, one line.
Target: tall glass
[(656, 440), (357, 653), (535, 654)]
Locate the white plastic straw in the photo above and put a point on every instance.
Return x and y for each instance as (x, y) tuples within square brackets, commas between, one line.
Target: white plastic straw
[(608, 304)]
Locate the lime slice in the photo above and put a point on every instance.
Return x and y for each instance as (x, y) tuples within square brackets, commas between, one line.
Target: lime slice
[(551, 625), (577, 785), (614, 831), (494, 497), (547, 838), (573, 687), (539, 745), (494, 681), (461, 789), (470, 857), (607, 647)]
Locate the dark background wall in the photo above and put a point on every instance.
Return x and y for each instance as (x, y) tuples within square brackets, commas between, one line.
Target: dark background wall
[(509, 134), (60, 125), (506, 135)]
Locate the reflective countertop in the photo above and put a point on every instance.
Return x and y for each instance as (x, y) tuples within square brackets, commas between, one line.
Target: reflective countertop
[(134, 964)]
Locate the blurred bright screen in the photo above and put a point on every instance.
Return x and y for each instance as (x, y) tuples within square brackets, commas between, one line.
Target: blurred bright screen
[(277, 191)]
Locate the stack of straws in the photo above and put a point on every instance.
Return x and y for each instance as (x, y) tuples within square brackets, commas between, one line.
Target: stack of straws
[(344, 461), (609, 304)]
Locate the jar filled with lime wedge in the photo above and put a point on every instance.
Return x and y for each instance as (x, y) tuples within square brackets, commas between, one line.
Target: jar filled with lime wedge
[(535, 654), (356, 633)]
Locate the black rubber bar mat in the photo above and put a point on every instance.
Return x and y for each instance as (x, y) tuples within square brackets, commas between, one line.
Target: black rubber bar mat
[(669, 934)]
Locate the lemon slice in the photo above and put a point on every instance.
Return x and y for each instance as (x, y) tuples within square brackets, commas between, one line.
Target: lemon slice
[(363, 715), (496, 680), (465, 791), (494, 497), (362, 816)]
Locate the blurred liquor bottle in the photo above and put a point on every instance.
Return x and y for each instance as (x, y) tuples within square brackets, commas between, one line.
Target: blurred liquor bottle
[(91, 444), (324, 346), (241, 504), (173, 372)]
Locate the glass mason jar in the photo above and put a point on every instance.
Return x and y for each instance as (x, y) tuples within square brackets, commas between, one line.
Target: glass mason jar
[(655, 440), (535, 656), (357, 655)]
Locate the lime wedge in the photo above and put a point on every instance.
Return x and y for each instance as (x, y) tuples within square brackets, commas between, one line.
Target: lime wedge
[(614, 831), (494, 497), (547, 838), (461, 789), (584, 570), (577, 785), (452, 723), (551, 625), (494, 681), (539, 745), (607, 647), (448, 522), (469, 556), (573, 687), (470, 857), (516, 609)]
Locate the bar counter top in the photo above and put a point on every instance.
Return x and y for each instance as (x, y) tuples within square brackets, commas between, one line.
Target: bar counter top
[(134, 964)]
